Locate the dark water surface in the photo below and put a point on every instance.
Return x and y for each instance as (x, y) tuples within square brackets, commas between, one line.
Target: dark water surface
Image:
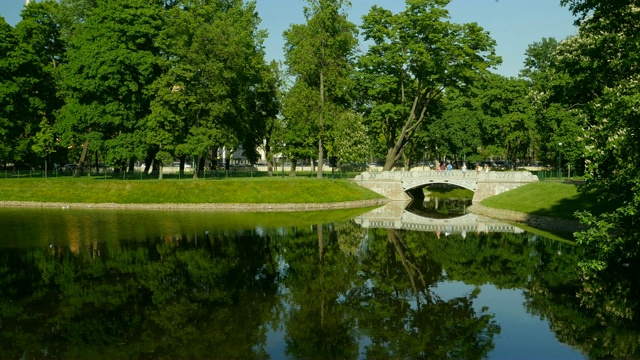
[(113, 284)]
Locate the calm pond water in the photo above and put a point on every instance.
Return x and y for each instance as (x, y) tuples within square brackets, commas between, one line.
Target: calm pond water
[(353, 284)]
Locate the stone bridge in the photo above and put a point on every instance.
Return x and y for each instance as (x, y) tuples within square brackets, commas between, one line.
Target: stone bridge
[(402, 185), (393, 215)]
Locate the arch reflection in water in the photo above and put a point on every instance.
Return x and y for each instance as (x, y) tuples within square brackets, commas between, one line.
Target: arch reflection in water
[(420, 217)]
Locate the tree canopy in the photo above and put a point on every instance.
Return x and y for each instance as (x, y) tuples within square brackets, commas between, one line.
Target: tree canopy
[(602, 62), (319, 55), (416, 56)]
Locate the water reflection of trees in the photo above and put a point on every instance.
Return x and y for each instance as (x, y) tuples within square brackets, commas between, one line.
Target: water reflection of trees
[(402, 316), (319, 322), (595, 315), (142, 299), (328, 286), (581, 311), (335, 297)]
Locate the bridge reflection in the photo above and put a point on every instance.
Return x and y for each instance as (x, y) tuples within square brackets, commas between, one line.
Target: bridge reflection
[(437, 208), (396, 215)]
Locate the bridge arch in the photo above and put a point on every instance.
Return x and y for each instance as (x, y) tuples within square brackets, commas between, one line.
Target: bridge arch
[(466, 184), (414, 187), (395, 185)]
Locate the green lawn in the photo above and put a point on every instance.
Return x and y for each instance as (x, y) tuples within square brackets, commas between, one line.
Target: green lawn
[(542, 198), (547, 199), (243, 190)]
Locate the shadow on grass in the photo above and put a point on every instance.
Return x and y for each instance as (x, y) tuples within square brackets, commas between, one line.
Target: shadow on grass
[(566, 208)]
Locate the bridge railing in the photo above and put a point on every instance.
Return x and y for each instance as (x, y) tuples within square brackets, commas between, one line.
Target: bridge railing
[(514, 176)]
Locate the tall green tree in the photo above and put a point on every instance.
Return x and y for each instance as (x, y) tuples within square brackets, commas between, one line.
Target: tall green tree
[(319, 54), (112, 59), (349, 142), (297, 134), (215, 90), (27, 96), (263, 107), (273, 123), (416, 56), (40, 36), (492, 118), (456, 134), (602, 62), (508, 124), (9, 90), (556, 123)]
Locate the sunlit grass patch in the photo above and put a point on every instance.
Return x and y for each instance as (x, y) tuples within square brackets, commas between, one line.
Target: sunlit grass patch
[(547, 199), (244, 190)]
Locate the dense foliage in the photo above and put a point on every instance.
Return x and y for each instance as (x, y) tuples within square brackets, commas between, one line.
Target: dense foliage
[(153, 82), (319, 55), (601, 65), (585, 93), (416, 57), (122, 81)]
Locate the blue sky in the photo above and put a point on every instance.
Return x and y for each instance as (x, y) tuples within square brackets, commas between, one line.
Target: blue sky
[(514, 24)]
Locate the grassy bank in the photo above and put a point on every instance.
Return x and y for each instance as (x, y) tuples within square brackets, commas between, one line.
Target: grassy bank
[(542, 198), (552, 199), (244, 190)]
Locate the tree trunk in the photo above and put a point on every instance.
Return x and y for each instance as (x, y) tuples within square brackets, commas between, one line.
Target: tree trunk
[(269, 157), (214, 159), (390, 160), (195, 169), (148, 160), (85, 147), (200, 164), (321, 125), (292, 169), (394, 153)]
